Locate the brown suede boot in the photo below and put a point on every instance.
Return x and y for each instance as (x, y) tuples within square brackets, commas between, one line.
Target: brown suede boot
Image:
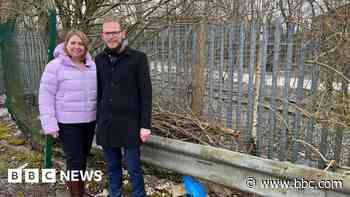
[(85, 194), (75, 188)]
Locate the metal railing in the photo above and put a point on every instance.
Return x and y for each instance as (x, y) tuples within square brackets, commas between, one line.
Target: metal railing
[(241, 171)]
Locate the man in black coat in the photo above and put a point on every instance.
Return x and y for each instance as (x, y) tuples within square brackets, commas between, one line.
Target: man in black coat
[(124, 107)]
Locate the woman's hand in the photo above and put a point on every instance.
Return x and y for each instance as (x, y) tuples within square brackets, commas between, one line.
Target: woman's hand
[(54, 134)]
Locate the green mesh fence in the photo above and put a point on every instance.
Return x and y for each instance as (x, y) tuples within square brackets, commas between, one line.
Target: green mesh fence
[(2, 88), (5, 30), (24, 55)]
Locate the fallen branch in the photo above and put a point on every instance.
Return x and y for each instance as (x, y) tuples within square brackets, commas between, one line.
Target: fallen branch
[(174, 121)]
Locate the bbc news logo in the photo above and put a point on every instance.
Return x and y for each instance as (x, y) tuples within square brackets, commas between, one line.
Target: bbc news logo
[(50, 175)]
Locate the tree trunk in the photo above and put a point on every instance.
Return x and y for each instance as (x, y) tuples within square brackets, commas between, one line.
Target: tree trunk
[(197, 98)]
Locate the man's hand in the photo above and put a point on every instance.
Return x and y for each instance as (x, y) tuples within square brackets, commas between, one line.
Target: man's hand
[(145, 134), (54, 134)]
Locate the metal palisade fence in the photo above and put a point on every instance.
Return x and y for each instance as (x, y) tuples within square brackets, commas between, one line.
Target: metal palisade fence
[(262, 80)]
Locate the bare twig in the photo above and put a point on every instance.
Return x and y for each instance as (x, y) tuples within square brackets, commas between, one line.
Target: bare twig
[(330, 162)]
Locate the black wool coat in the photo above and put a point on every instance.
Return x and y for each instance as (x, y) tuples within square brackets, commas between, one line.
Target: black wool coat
[(124, 97)]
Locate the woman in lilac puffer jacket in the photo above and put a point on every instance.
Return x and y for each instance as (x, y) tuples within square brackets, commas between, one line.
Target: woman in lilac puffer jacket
[(67, 103)]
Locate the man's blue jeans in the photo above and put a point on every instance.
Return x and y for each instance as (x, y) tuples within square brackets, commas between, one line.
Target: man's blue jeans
[(133, 163)]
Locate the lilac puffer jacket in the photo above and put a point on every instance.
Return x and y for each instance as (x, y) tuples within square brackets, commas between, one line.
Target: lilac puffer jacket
[(67, 94)]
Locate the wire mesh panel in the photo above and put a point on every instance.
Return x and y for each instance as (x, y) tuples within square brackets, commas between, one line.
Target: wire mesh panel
[(2, 87), (24, 56), (32, 51)]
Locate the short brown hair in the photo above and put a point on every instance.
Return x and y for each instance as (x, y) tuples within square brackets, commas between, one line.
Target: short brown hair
[(115, 19), (83, 38)]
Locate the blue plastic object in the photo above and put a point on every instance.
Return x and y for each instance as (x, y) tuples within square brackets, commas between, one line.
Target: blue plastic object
[(194, 187)]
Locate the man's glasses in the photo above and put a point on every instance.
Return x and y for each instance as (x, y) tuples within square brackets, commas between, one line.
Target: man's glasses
[(112, 33)]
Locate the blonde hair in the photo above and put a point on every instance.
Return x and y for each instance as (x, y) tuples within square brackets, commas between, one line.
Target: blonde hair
[(82, 36)]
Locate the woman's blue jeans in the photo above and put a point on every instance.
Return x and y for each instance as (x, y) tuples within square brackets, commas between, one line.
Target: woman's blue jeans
[(132, 160)]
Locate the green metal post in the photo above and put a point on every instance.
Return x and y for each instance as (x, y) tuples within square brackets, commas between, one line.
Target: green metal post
[(52, 45)]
